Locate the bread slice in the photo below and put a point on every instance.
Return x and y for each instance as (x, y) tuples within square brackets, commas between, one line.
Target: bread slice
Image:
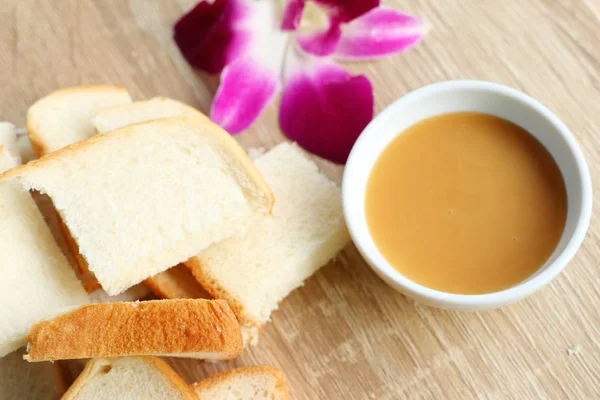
[(132, 220), (129, 378), (246, 383), (20, 380), (306, 230), (115, 117), (37, 280), (176, 282), (205, 329), (64, 116)]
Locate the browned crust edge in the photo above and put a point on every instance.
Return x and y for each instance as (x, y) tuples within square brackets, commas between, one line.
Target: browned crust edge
[(281, 387), (218, 292), (138, 328), (95, 366)]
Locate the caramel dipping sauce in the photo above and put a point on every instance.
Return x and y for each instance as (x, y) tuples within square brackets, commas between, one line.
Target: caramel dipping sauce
[(466, 203)]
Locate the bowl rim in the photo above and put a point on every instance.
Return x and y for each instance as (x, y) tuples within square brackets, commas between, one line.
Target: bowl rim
[(453, 300)]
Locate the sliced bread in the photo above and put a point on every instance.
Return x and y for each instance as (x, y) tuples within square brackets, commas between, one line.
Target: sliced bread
[(177, 282), (20, 380), (205, 329), (129, 378), (37, 280), (118, 116), (306, 230), (132, 220), (246, 383), (64, 116)]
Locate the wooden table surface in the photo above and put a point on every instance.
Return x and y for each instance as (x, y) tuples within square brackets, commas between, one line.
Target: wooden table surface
[(345, 334)]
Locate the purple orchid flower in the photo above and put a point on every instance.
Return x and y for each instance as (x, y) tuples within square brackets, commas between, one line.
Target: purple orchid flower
[(262, 49)]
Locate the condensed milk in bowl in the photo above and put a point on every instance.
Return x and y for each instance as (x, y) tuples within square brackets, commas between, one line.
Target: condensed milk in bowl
[(467, 195)]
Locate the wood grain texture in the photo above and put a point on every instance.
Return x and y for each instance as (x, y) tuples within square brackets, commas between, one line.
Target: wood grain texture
[(345, 334)]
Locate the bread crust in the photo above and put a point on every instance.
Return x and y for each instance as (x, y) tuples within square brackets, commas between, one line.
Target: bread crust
[(37, 143), (218, 292), (95, 366), (159, 327), (280, 389), (176, 283)]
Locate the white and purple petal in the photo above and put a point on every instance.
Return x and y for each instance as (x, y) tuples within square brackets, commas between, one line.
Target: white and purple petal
[(250, 83), (380, 32), (292, 14), (247, 87), (324, 108)]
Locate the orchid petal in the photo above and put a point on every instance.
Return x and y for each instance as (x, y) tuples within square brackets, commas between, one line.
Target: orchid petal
[(250, 83), (347, 10), (324, 108), (321, 43), (246, 89), (213, 34), (380, 32), (292, 14)]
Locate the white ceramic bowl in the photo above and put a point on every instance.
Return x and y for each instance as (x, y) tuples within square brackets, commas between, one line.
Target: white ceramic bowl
[(484, 97)]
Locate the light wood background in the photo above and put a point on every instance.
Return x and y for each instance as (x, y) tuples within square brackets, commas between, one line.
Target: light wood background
[(346, 335)]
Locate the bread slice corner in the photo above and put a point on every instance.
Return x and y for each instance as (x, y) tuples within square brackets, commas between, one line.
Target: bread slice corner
[(63, 116), (129, 378), (248, 383)]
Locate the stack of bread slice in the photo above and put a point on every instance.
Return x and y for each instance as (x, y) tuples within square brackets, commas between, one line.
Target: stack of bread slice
[(152, 194), (254, 272), (143, 198)]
